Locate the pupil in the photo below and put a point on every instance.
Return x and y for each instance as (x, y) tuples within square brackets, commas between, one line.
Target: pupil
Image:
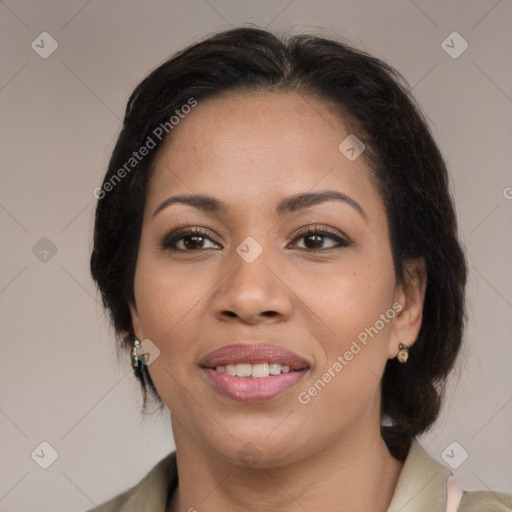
[(318, 240), (194, 240)]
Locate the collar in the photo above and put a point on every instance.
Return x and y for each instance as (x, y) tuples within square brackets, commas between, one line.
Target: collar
[(421, 484)]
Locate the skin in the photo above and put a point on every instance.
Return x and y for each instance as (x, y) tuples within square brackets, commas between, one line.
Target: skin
[(250, 150)]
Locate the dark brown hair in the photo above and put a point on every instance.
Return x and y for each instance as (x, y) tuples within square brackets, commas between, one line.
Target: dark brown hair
[(409, 169)]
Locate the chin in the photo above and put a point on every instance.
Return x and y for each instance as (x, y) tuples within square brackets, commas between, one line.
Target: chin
[(259, 442)]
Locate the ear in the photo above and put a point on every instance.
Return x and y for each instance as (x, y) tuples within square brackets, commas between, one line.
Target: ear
[(409, 298), (135, 320)]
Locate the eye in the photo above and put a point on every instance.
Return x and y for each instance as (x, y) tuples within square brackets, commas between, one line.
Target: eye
[(314, 238), (194, 239), (190, 239)]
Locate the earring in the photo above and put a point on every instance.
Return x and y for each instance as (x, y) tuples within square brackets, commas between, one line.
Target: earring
[(135, 357), (403, 355)]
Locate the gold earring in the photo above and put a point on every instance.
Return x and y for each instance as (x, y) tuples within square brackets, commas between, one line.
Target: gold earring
[(403, 355), (135, 357)]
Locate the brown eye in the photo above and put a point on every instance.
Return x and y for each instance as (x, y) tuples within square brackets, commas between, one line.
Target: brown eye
[(314, 239), (189, 240)]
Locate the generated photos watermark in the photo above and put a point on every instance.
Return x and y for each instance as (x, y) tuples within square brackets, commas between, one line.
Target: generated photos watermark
[(305, 397), (150, 143)]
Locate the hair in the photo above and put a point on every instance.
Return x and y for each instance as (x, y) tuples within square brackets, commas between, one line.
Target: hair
[(377, 104)]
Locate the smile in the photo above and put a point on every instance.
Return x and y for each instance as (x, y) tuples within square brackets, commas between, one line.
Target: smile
[(253, 373), (256, 371)]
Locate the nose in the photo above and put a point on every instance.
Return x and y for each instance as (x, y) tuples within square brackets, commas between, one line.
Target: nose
[(253, 292)]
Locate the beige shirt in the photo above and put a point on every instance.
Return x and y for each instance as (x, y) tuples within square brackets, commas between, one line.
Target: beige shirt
[(421, 487)]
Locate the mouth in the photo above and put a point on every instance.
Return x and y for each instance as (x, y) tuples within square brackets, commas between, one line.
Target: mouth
[(253, 373)]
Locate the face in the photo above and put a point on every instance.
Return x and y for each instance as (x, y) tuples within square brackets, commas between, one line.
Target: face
[(270, 278)]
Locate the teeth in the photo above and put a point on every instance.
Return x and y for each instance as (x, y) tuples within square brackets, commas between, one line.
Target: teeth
[(243, 370), (260, 370), (274, 369), (253, 370)]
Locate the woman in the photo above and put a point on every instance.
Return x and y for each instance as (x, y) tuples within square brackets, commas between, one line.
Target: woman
[(277, 247)]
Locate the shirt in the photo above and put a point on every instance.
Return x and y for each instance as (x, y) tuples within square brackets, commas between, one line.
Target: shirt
[(421, 487)]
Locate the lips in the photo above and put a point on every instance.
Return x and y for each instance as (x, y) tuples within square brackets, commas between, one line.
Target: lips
[(253, 354), (228, 370)]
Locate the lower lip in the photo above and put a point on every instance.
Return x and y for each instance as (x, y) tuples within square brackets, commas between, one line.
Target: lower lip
[(253, 390)]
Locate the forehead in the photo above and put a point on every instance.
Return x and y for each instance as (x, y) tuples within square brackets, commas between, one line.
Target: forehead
[(258, 146)]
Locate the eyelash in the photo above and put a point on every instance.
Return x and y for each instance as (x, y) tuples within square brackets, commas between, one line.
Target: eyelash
[(176, 236)]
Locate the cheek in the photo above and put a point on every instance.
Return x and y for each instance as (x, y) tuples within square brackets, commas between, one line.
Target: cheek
[(165, 303), (166, 307), (350, 305), (348, 295), (346, 380)]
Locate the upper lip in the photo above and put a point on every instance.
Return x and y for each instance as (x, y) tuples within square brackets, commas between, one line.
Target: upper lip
[(253, 354)]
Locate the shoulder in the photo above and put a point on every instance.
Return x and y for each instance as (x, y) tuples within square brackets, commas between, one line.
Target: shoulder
[(424, 485), (151, 493), (485, 501)]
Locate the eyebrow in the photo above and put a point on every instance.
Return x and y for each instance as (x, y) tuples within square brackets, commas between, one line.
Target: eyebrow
[(285, 206)]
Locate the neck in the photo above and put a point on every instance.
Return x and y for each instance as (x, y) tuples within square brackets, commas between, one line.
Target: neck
[(357, 472)]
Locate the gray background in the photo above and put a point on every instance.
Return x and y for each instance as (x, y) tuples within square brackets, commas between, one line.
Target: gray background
[(60, 380)]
